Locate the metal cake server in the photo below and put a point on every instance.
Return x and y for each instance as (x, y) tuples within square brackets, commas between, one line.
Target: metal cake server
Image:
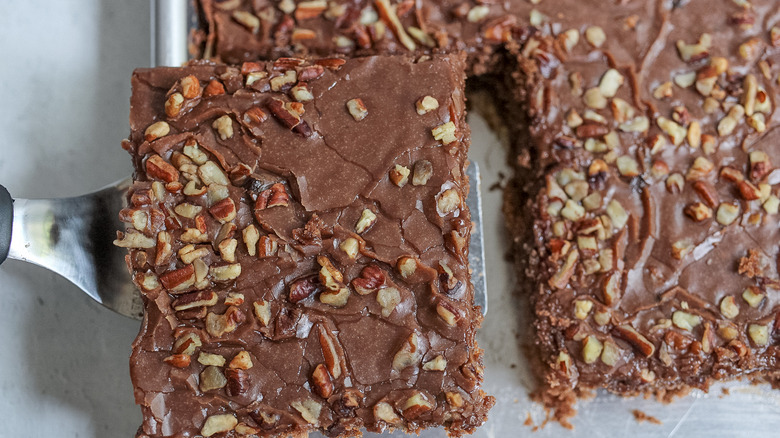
[(74, 236)]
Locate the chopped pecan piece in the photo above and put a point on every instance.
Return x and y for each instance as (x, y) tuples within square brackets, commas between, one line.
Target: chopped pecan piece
[(301, 289), (321, 381), (633, 337)]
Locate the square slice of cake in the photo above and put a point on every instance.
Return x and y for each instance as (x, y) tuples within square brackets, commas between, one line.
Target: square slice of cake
[(299, 232)]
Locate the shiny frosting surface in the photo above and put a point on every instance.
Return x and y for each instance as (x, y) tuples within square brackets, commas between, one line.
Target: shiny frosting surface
[(303, 256), (653, 190)]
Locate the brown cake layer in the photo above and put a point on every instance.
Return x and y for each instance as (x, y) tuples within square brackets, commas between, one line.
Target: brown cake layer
[(299, 231)]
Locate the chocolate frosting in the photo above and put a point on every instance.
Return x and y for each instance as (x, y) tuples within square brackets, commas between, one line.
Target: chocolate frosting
[(399, 350), (682, 230)]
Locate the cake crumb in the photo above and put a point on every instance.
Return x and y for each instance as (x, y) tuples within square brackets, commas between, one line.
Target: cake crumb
[(528, 420), (640, 417)]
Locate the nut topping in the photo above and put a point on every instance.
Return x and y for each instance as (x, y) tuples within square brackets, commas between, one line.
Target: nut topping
[(426, 104), (611, 289), (275, 196), (224, 127), (329, 276), (760, 166), (595, 36), (448, 202), (285, 81), (251, 236), (194, 300), (753, 296), (262, 310), (301, 289), (226, 272), (134, 240), (446, 133), (357, 109), (591, 349), (224, 210), (173, 104), (389, 16), (351, 247), (310, 9), (371, 278), (179, 279), (246, 19), (321, 381), (408, 355), (423, 170), (237, 382), (438, 363), (698, 211), (214, 88), (158, 168), (399, 175), (594, 99), (218, 424), (211, 378), (210, 173), (728, 307), (384, 411), (178, 360), (241, 361), (366, 221), (388, 298), (695, 52), (569, 39), (335, 298), (685, 320), (561, 278), (448, 312), (208, 359), (610, 82), (759, 334), (190, 87), (417, 405), (675, 132), (727, 213), (636, 339), (332, 359), (219, 325), (582, 308), (156, 130), (707, 193)]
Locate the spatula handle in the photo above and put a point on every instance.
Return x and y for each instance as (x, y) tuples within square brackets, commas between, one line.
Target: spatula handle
[(6, 220)]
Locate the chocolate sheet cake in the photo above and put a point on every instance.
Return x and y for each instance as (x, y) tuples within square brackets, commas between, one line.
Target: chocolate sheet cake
[(644, 203), (300, 237), (645, 209)]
